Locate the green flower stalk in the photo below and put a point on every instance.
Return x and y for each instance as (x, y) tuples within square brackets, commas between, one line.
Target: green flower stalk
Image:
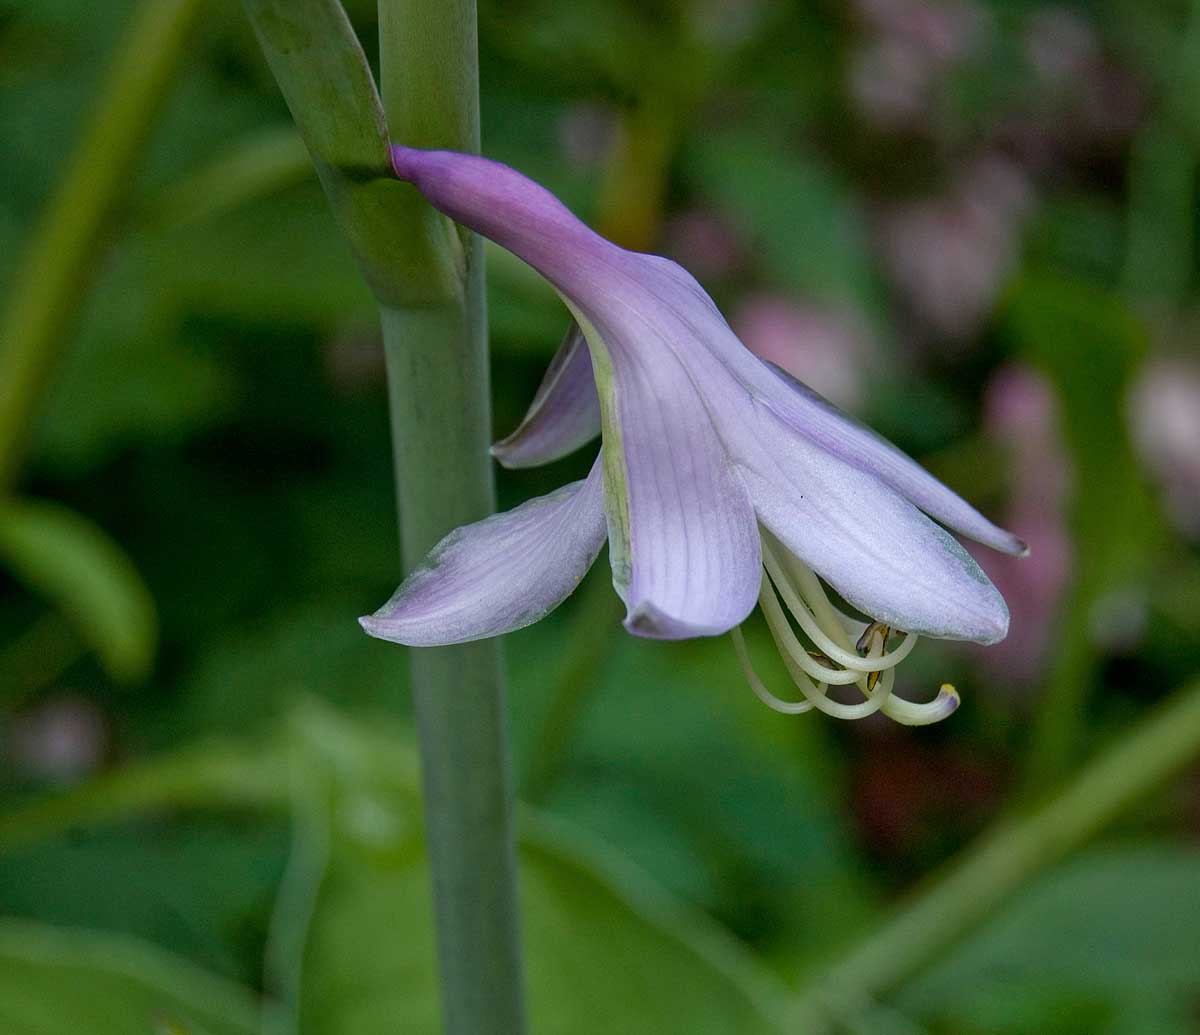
[(428, 278)]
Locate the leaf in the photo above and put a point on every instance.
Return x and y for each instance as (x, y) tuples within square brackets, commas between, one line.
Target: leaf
[(131, 374), (606, 951), (811, 230), (1089, 343), (56, 982), (1104, 937), (723, 804), (88, 576), (202, 890)]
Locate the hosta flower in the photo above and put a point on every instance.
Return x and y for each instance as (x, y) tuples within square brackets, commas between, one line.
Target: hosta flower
[(720, 481)]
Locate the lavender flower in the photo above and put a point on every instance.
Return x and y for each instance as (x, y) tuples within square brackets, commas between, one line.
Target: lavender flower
[(720, 481)]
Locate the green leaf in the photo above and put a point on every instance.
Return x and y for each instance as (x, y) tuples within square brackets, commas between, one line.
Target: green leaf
[(56, 982), (1089, 343), (88, 576), (130, 375), (723, 805), (808, 225), (606, 951), (1109, 936), (256, 165), (203, 887)]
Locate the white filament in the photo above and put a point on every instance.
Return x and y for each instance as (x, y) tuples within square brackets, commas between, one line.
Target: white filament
[(829, 630)]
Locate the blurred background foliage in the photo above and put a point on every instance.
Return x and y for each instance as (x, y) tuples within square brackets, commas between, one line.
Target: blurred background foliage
[(971, 223)]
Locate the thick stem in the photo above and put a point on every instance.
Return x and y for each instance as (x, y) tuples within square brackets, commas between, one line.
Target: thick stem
[(1000, 863), (429, 283), (49, 284), (438, 388), (441, 426)]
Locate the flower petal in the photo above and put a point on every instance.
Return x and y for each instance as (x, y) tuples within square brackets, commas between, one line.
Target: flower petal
[(874, 547), (504, 206), (499, 574), (683, 539), (821, 421), (809, 413), (565, 413)]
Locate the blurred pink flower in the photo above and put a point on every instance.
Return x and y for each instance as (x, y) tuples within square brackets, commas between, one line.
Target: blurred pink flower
[(1165, 419), (890, 84), (1021, 416), (586, 132), (948, 256), (894, 73), (1061, 45), (60, 739), (1081, 96), (725, 24), (710, 244), (946, 31), (826, 349)]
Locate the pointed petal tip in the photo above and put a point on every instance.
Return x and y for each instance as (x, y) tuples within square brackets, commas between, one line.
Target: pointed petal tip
[(995, 635), (1004, 542), (376, 626), (989, 623), (505, 452)]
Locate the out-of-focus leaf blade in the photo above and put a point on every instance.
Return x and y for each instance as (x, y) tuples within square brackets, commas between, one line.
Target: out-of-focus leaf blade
[(808, 225), (81, 570), (1089, 343), (1103, 937), (203, 886), (131, 376), (254, 166), (55, 982), (602, 955)]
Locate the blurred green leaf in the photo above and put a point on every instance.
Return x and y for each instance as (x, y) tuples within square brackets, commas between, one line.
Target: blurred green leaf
[(73, 983), (203, 889), (605, 950), (677, 764), (312, 648), (77, 566), (254, 166), (279, 259), (807, 223), (130, 374), (1107, 939), (1089, 343)]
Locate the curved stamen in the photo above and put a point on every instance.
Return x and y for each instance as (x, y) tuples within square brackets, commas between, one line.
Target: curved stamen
[(804, 617), (835, 623), (833, 634), (910, 713), (787, 643), (780, 630), (756, 684)]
